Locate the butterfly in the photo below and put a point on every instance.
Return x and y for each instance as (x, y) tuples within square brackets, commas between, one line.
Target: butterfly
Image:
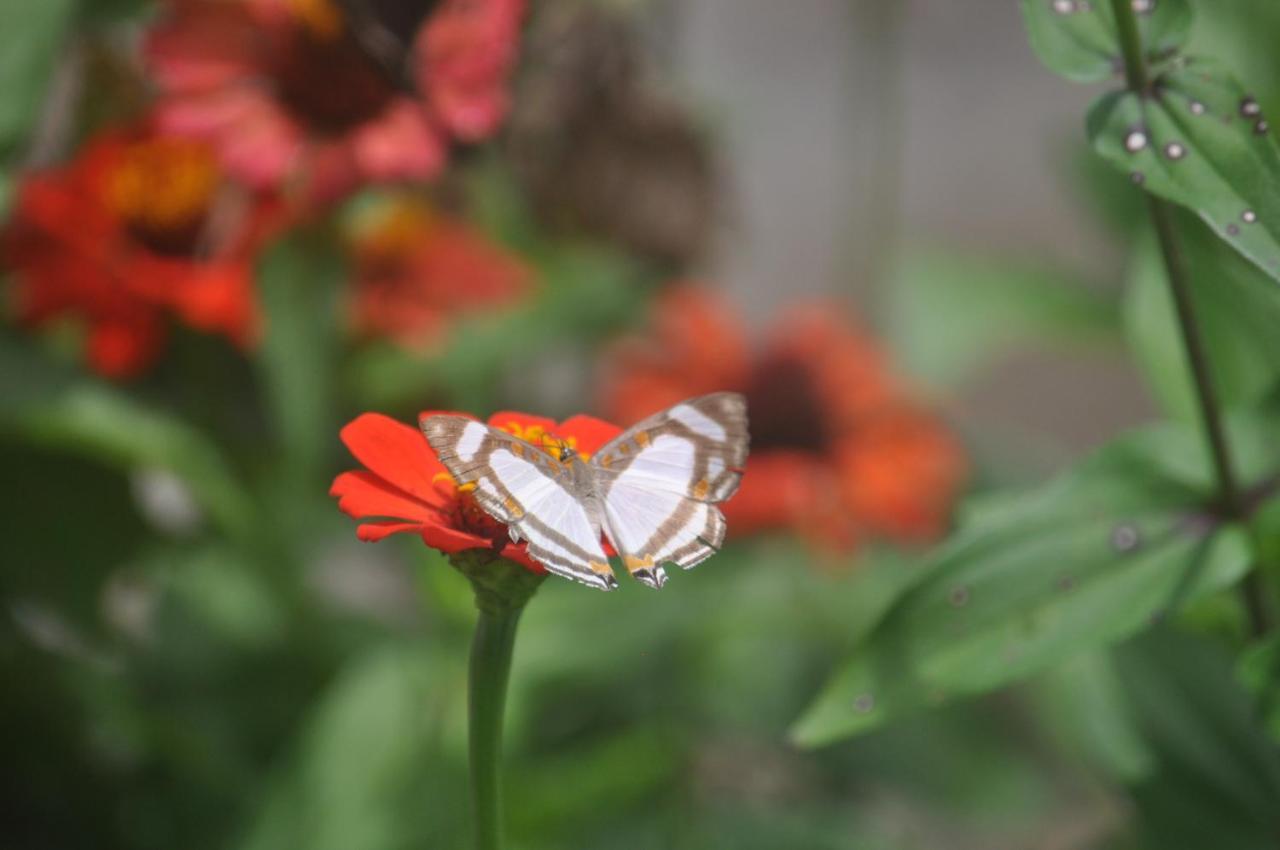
[(652, 490)]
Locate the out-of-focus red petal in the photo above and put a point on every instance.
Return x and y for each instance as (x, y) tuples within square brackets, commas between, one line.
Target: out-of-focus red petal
[(900, 474), (122, 349), (396, 452), (466, 51), (696, 345), (202, 44), (212, 297), (399, 144)]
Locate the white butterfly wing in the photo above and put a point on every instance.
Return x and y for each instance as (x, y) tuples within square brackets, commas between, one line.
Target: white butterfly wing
[(661, 479), (527, 489)]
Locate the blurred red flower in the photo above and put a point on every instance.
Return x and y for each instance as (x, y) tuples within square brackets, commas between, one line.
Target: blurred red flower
[(135, 227), (416, 269), (405, 487), (839, 449), (286, 94)]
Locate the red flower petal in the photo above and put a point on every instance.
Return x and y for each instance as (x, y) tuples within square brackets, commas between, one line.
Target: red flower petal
[(518, 423), (363, 494), (395, 452), (590, 432), (372, 532)]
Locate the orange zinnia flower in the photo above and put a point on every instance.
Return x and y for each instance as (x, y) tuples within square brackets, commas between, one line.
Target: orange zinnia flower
[(416, 269), (405, 488), (839, 449), (136, 227)]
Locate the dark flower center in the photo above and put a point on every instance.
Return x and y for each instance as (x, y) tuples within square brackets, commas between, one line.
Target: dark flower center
[(786, 408), (161, 190), (327, 82)]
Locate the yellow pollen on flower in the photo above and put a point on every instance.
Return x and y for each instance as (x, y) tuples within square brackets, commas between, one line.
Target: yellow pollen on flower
[(162, 184), (446, 477), (322, 17), (394, 227)]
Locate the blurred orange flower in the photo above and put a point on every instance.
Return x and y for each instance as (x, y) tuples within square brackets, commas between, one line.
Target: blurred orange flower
[(136, 227), (284, 91), (839, 449), (405, 488), (415, 269)]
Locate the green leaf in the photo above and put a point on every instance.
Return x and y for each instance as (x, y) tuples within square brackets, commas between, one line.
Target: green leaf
[(298, 284), (950, 315), (1237, 309), (1259, 671), (1077, 38), (1197, 140), (1093, 557), (31, 35), (1084, 702), (1219, 776)]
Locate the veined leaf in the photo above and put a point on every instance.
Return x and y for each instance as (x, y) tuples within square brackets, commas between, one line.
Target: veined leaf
[(1200, 141), (1097, 555), (1077, 38)]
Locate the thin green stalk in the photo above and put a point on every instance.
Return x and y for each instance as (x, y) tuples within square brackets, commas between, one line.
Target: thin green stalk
[(1230, 503), (502, 589), (491, 649)]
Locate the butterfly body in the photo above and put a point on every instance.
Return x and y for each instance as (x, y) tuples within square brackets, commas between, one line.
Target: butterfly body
[(652, 491)]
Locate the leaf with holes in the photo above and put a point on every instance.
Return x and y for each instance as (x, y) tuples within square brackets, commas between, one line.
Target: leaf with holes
[(1077, 38), (1092, 557), (1201, 141)]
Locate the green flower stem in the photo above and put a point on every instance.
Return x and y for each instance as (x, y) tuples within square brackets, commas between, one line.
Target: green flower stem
[(1230, 503), (491, 648), (502, 589)]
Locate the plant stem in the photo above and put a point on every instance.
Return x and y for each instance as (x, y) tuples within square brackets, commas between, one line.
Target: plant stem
[(491, 649), (1206, 393), (1230, 504)]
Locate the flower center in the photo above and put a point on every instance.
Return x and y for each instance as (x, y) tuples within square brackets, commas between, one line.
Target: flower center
[(393, 229), (319, 16), (323, 77), (786, 408), (162, 189)]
